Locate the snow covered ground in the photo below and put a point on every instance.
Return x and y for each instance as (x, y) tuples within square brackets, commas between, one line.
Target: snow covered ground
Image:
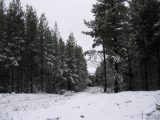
[(88, 105)]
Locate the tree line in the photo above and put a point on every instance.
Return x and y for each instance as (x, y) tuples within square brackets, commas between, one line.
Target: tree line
[(33, 56), (129, 32)]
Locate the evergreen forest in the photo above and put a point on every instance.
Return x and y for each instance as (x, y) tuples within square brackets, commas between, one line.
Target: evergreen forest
[(33, 56)]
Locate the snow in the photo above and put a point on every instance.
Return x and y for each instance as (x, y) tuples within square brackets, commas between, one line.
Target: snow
[(93, 61), (90, 104)]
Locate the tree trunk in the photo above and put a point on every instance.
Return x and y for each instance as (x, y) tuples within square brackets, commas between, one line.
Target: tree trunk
[(42, 81), (130, 72), (48, 86), (104, 62), (142, 76), (27, 70), (146, 74), (158, 66), (50, 81), (21, 73), (116, 52), (31, 72), (12, 78), (68, 85), (18, 79), (42, 78)]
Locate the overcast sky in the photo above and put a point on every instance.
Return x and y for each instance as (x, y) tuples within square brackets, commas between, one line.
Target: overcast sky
[(69, 14)]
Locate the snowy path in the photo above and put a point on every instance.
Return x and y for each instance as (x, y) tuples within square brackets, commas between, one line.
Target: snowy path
[(88, 105)]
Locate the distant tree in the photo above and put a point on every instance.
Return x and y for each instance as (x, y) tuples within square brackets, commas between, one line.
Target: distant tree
[(72, 77), (33, 57), (62, 64), (81, 68)]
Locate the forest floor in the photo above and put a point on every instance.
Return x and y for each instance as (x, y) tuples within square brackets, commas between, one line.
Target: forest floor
[(91, 104)]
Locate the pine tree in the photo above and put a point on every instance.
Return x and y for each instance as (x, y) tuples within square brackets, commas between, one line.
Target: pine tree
[(42, 27), (56, 60), (107, 28), (62, 50), (145, 22), (81, 68), (15, 38), (4, 76), (15, 32), (2, 30), (31, 40), (70, 61), (33, 57), (62, 63)]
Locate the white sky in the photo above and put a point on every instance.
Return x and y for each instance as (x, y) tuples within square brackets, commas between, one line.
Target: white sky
[(69, 14)]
